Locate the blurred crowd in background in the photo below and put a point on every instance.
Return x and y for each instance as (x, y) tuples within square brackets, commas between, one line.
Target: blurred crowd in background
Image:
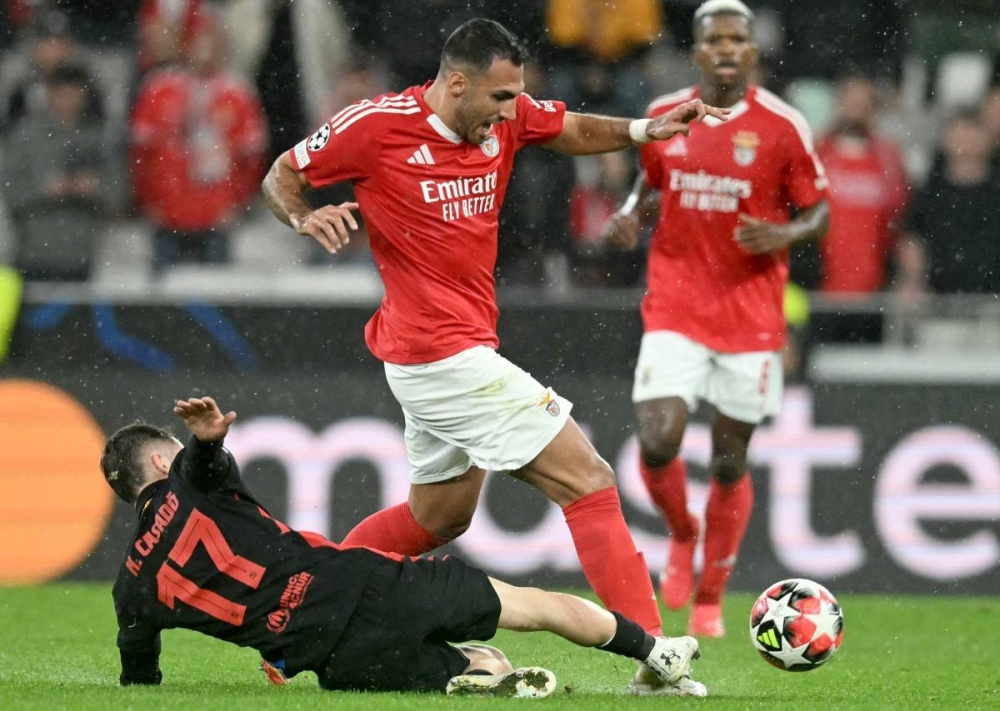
[(152, 122)]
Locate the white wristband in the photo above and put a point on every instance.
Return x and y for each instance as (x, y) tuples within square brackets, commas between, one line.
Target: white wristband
[(637, 131), (631, 202)]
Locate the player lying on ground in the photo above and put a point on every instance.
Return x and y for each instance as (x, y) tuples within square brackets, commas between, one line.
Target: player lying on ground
[(208, 557)]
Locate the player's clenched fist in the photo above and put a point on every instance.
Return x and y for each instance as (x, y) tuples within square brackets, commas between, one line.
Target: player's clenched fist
[(328, 225), (622, 230)]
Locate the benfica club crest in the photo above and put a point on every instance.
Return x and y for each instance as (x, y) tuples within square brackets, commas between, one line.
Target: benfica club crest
[(491, 146), (745, 147)]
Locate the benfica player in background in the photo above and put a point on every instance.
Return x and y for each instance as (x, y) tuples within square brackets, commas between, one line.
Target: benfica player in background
[(712, 314), (430, 167), (206, 556)]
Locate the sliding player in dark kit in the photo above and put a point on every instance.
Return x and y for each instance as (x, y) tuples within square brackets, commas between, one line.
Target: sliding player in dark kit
[(208, 557)]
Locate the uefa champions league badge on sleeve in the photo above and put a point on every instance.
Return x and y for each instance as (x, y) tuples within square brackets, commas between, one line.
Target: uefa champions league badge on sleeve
[(491, 146), (319, 139)]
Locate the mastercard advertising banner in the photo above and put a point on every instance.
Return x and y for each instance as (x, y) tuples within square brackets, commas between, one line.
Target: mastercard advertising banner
[(875, 488)]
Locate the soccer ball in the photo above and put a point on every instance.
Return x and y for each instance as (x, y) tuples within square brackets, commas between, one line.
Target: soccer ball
[(796, 625)]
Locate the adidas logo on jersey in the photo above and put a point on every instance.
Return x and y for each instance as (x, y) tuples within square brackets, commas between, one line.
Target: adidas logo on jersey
[(421, 156)]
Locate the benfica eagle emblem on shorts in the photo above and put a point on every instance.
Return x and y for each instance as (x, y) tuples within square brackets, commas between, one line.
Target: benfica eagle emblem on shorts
[(550, 404), (491, 146), (319, 139), (745, 147)]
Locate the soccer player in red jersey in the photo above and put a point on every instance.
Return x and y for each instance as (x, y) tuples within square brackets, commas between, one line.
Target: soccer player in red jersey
[(207, 556), (430, 167), (712, 314)]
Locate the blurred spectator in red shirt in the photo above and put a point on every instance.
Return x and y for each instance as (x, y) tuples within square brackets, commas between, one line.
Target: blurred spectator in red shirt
[(198, 137), (868, 191), (167, 30)]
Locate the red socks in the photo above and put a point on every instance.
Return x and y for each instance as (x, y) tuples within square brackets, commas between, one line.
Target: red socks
[(667, 487), (614, 568), (726, 519), (393, 530)]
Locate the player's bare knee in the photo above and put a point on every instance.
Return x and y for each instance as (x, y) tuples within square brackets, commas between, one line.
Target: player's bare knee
[(598, 475), (728, 469), (450, 528), (584, 481), (659, 446)]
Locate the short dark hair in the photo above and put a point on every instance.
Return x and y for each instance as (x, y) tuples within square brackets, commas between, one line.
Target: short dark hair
[(479, 42), (121, 461)]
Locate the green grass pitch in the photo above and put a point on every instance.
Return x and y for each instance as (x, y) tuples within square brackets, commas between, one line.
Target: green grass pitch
[(57, 651)]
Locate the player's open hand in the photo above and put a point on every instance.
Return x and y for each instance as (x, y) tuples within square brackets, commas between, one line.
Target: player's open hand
[(204, 418), (622, 230), (679, 119), (328, 225), (759, 236)]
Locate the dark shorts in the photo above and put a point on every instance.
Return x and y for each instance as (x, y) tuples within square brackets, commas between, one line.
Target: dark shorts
[(397, 637)]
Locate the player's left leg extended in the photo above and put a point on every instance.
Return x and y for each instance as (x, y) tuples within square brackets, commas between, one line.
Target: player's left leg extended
[(668, 660), (730, 502), (572, 474), (524, 609)]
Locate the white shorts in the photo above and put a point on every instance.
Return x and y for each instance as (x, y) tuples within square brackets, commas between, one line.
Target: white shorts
[(475, 408), (744, 386)]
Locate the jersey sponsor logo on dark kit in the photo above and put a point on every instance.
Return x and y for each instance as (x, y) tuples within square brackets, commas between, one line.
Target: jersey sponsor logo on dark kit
[(292, 597)]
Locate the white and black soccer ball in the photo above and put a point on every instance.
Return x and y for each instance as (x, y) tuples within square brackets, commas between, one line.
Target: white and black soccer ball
[(796, 625)]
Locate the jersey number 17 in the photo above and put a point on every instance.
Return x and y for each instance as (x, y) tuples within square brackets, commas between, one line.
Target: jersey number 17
[(172, 585)]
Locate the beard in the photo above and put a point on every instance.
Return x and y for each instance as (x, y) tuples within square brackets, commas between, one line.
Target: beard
[(473, 129)]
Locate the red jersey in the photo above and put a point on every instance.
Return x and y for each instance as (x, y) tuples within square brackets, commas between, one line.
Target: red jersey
[(197, 148), (430, 201), (700, 282), (868, 189)]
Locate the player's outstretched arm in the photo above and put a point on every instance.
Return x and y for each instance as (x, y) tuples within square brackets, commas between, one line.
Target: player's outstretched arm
[(284, 189), (205, 462), (584, 134), (204, 418)]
